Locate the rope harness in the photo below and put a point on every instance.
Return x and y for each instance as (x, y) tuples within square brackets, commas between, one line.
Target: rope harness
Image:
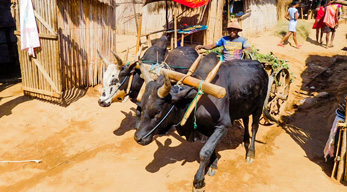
[(121, 84), (200, 92)]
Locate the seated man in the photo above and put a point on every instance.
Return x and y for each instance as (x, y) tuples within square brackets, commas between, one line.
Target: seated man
[(233, 44)]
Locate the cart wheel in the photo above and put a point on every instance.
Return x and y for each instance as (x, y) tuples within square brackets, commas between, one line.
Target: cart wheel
[(279, 84)]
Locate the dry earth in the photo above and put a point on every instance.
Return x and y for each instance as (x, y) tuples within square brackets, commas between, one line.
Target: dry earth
[(84, 147)]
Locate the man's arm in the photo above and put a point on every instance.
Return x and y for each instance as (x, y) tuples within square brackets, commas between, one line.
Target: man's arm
[(208, 47)]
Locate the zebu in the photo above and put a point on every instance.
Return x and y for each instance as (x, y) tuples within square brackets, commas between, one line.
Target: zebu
[(116, 77), (163, 106)]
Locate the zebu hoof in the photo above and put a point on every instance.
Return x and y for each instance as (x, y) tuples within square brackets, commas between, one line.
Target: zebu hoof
[(198, 190), (198, 185), (213, 168), (250, 156), (211, 171)]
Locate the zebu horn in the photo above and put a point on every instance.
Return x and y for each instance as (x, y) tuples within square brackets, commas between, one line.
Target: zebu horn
[(146, 76), (106, 61), (119, 60), (164, 90)]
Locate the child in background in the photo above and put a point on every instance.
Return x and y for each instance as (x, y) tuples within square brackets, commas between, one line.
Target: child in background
[(292, 16)]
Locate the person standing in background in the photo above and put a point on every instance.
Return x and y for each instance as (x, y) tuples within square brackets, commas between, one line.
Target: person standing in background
[(319, 24), (331, 21), (292, 16)]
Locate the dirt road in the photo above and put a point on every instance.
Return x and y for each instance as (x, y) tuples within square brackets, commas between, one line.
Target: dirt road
[(84, 147)]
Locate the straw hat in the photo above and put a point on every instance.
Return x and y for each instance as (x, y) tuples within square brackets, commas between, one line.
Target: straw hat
[(234, 25)]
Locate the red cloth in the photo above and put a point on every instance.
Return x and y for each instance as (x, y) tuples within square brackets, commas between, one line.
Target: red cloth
[(329, 18), (319, 19), (192, 3)]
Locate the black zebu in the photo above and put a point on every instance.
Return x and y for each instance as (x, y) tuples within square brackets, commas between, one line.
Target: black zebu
[(163, 106), (116, 77)]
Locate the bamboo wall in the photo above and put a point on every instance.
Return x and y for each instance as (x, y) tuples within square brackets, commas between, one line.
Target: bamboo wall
[(261, 16), (85, 26), (35, 81), (214, 22)]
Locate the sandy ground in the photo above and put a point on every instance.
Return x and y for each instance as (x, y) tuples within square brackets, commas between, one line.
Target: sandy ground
[(84, 147)]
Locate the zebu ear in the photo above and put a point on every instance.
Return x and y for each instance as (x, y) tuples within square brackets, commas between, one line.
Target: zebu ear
[(186, 93)]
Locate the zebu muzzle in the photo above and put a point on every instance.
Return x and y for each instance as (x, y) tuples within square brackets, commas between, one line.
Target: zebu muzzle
[(106, 101)]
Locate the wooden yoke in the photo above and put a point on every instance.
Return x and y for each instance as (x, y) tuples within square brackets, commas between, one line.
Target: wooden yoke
[(209, 88), (192, 68), (208, 79)]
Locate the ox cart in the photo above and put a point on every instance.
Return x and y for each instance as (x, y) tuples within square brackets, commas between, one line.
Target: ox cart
[(279, 84), (161, 103)]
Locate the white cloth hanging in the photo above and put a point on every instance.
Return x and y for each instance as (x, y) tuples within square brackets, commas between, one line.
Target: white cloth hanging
[(29, 33)]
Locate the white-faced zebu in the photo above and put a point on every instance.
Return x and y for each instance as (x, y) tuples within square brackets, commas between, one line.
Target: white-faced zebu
[(116, 75), (163, 107)]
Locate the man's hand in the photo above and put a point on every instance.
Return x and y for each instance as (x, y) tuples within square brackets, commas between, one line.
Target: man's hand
[(198, 47)]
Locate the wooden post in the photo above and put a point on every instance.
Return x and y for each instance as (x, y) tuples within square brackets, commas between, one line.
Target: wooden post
[(341, 166), (135, 14), (228, 18), (345, 127), (182, 40), (208, 79), (138, 42), (336, 156), (175, 25)]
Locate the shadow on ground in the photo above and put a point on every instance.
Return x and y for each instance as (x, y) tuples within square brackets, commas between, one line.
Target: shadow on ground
[(310, 125)]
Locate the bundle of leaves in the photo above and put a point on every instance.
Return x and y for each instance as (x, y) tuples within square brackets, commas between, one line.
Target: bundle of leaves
[(270, 58)]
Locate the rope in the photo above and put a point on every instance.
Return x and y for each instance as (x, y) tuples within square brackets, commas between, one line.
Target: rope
[(178, 67), (154, 128), (200, 92)]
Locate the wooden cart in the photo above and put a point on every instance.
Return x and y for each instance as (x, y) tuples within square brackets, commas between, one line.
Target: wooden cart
[(278, 92)]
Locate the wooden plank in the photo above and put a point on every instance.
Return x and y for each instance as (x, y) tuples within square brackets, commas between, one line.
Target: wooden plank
[(44, 36), (45, 74), (53, 94), (44, 23)]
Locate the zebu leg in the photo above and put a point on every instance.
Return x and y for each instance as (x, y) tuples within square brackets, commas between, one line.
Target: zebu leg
[(212, 167), (255, 125), (246, 134), (205, 155), (138, 117)]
